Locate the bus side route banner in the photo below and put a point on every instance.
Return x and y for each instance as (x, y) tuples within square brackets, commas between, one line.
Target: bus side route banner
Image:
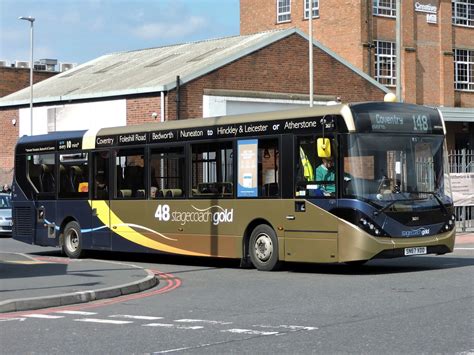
[(309, 125)]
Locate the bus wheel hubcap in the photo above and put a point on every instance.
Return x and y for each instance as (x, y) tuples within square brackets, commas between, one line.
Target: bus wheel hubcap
[(263, 247), (72, 240)]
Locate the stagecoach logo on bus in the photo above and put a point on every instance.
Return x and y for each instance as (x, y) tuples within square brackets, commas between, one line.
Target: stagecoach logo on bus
[(420, 232), (213, 214)]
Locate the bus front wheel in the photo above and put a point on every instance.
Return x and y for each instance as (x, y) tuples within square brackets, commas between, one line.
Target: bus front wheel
[(72, 243), (264, 248)]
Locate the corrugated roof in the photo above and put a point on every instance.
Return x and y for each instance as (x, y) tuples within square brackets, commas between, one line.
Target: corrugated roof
[(154, 69), (457, 114)]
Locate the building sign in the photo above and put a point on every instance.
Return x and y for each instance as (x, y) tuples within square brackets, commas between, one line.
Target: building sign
[(462, 187), (430, 10), (247, 168), (427, 8), (431, 18)]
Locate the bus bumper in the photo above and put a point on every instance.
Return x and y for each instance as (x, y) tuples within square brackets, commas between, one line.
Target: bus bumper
[(355, 244)]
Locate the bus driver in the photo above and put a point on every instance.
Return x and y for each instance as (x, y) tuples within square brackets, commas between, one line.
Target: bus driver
[(325, 173)]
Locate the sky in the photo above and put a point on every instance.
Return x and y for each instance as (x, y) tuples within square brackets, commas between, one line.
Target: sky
[(76, 31)]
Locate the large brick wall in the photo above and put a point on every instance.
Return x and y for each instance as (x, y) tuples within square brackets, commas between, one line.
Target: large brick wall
[(9, 137), (261, 15), (14, 79), (141, 109), (346, 26)]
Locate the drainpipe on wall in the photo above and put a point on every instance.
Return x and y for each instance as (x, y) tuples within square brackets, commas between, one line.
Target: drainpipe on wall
[(399, 50), (177, 96), (162, 107), (370, 39)]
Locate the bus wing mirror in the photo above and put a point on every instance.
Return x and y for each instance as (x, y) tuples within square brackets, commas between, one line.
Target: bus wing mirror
[(324, 147)]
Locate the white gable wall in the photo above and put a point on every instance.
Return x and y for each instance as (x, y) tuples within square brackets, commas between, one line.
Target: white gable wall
[(82, 116)]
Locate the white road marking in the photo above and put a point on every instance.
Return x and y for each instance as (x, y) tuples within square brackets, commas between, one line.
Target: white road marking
[(9, 319), (202, 321), (165, 325), (463, 248), (43, 316), (135, 317), (248, 331), (290, 327), (106, 321), (79, 313), (190, 327)]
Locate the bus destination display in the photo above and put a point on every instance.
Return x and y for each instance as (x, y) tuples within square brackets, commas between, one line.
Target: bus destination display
[(389, 121)]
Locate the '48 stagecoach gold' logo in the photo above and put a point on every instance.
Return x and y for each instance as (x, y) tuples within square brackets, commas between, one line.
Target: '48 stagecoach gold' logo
[(214, 214)]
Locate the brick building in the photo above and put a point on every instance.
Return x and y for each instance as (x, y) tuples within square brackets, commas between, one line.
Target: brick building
[(258, 72), (437, 54), (13, 79)]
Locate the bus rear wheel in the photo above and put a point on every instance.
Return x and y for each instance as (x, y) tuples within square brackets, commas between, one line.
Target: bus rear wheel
[(264, 248), (72, 242)]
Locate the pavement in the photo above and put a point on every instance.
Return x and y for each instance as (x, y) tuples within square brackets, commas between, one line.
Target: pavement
[(32, 282)]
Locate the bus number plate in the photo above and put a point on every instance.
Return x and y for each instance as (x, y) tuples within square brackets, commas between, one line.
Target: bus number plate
[(415, 251)]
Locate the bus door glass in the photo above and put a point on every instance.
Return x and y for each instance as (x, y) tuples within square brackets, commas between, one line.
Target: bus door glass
[(42, 176), (101, 237)]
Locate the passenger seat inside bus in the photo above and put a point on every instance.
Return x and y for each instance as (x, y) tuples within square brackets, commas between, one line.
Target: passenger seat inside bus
[(172, 193)]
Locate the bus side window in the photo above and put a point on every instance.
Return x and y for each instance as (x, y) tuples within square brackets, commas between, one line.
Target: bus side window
[(41, 169), (268, 162), (130, 174), (212, 170), (167, 173), (73, 175)]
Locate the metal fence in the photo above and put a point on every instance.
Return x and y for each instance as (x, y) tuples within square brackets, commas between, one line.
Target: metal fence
[(462, 161)]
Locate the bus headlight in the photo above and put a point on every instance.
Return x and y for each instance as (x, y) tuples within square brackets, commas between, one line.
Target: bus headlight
[(450, 224), (370, 227)]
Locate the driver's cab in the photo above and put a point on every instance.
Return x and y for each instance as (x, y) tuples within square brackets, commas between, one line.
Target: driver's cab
[(315, 168)]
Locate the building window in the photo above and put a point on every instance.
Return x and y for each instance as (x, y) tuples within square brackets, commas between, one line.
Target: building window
[(283, 11), (385, 8), (463, 12), (315, 8), (464, 69), (385, 63)]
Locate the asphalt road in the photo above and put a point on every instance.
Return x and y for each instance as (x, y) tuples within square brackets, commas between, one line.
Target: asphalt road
[(416, 305)]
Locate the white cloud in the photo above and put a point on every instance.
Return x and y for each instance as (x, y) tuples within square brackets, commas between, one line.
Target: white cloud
[(167, 30)]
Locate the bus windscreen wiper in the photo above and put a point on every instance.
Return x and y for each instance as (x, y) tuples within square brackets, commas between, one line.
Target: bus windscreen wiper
[(386, 207), (441, 204)]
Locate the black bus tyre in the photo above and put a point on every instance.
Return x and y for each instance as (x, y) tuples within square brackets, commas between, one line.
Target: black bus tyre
[(263, 248), (72, 240)]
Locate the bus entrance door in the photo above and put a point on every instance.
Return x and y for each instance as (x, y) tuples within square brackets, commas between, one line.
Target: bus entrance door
[(101, 237)]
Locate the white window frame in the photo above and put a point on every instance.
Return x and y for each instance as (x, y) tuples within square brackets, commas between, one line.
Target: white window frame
[(315, 8), (464, 64), (384, 10), (283, 16), (385, 57), (464, 20)]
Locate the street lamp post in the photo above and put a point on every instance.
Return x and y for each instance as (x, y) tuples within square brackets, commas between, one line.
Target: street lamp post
[(31, 20)]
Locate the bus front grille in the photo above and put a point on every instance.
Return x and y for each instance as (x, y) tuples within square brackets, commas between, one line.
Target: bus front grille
[(23, 221)]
